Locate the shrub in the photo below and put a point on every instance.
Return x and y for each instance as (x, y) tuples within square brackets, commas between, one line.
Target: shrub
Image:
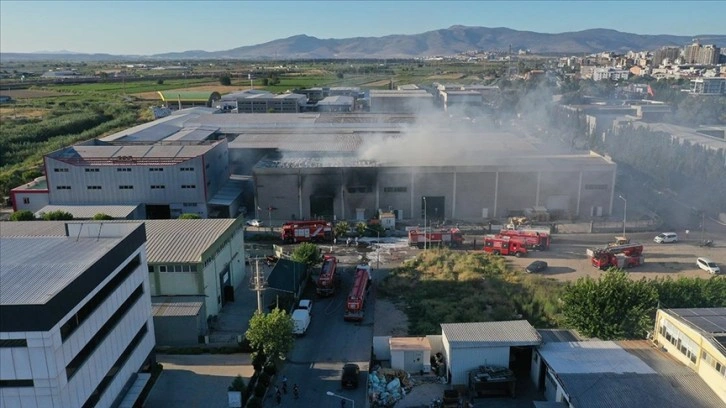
[(189, 216), (58, 216), (102, 216), (22, 215), (238, 384)]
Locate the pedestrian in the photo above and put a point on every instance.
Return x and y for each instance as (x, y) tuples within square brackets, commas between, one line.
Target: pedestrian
[(278, 397), (356, 241), (347, 242), (284, 384), (295, 391), (335, 241), (342, 403)]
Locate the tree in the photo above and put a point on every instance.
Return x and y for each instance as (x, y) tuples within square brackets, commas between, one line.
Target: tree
[(238, 384), (225, 80), (160, 82), (58, 216), (360, 228), (189, 216), (612, 307), (22, 215), (102, 216), (271, 333), (342, 228), (306, 253)]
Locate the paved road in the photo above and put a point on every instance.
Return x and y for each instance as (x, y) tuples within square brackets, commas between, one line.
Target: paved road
[(330, 342)]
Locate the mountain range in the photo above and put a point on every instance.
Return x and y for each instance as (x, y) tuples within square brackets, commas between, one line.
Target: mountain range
[(448, 41)]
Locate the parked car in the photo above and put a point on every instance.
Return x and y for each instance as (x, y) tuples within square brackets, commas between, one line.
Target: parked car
[(349, 376), (665, 238), (306, 304), (708, 265), (301, 321), (536, 266), (254, 223)]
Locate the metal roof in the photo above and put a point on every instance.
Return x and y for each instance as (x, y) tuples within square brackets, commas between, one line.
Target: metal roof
[(557, 335), (303, 160), (134, 154), (32, 229), (588, 357), (228, 193), (170, 309), (707, 320), (88, 211), (183, 241), (337, 100), (489, 334), (35, 269)]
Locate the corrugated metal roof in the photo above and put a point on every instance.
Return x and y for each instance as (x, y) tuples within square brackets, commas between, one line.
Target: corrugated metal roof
[(35, 269), (488, 334), (33, 229), (182, 241), (168, 309), (228, 193), (587, 357), (88, 211)]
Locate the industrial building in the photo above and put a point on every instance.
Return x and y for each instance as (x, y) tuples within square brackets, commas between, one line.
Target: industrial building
[(264, 102), (338, 103), (697, 338), (75, 314), (627, 374), (403, 101)]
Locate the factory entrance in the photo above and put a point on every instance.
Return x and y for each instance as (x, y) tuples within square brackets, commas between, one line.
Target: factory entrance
[(433, 207), (321, 206), (158, 212)]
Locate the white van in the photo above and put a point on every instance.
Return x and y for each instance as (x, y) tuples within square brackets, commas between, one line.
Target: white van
[(301, 321), (666, 237)]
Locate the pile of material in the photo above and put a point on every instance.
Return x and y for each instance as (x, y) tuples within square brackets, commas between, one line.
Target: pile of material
[(388, 386)]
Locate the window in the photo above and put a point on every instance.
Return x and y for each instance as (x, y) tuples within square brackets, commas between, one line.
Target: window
[(125, 187), (103, 332), (151, 269), (26, 200), (189, 204), (158, 187), (123, 169), (156, 169), (94, 187), (62, 187), (162, 268), (75, 321), (186, 168), (596, 186), (16, 383), (92, 170), (189, 186), (13, 343), (61, 170), (395, 189)]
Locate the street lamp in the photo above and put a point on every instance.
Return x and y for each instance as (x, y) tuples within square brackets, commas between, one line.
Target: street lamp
[(425, 211), (625, 212), (331, 394)]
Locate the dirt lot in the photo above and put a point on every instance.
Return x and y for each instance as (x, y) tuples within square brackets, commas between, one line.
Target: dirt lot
[(567, 260), (9, 112)]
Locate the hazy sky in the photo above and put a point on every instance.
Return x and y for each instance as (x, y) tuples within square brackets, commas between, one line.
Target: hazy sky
[(146, 27)]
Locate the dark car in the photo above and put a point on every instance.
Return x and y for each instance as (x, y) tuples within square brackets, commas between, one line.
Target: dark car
[(537, 266), (349, 378)]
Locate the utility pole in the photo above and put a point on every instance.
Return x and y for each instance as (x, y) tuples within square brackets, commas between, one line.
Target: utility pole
[(258, 284), (426, 238)]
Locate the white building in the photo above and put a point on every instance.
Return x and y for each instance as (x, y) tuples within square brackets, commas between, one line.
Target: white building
[(75, 314), (600, 74), (708, 86)]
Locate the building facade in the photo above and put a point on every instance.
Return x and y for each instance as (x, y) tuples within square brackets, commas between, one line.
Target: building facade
[(75, 315)]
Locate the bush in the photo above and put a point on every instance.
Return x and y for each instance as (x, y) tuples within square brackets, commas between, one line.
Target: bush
[(58, 216), (238, 384), (22, 215), (102, 216), (189, 216)]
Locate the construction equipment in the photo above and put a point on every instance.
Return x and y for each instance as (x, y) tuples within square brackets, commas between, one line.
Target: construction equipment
[(328, 278), (533, 239), (505, 245), (618, 256), (307, 231), (451, 237), (354, 305)]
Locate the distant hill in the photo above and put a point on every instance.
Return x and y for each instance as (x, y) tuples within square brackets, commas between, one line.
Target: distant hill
[(449, 41)]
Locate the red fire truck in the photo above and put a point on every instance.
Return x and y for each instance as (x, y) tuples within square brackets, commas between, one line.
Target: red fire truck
[(327, 279), (618, 256), (354, 305), (532, 238), (505, 245), (447, 237), (307, 231)]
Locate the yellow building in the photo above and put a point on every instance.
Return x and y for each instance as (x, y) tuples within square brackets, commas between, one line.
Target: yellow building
[(697, 338)]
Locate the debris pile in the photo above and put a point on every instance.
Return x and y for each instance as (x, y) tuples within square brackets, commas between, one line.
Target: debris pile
[(388, 386)]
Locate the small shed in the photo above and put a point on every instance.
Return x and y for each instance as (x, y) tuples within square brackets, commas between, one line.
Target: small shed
[(470, 345), (178, 321), (412, 354)]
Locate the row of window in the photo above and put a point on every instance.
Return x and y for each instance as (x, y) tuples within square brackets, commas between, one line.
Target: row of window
[(683, 343), (103, 332), (127, 187), (84, 312), (174, 268), (121, 169), (721, 368), (98, 392), (16, 383), (13, 343), (395, 189)]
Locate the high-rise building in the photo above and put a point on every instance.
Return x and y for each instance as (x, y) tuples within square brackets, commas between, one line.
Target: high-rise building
[(690, 52), (709, 55), (669, 53)]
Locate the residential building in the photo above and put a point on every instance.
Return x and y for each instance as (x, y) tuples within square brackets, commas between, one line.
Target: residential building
[(31, 196), (75, 313), (609, 73), (665, 53), (697, 338)]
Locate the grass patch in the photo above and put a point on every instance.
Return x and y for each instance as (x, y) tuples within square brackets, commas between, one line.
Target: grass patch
[(444, 286)]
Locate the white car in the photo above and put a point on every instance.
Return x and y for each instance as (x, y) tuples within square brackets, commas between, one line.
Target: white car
[(254, 223), (665, 238), (708, 265), (306, 304)]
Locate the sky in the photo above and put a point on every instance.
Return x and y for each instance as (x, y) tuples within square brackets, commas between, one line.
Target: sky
[(137, 27)]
